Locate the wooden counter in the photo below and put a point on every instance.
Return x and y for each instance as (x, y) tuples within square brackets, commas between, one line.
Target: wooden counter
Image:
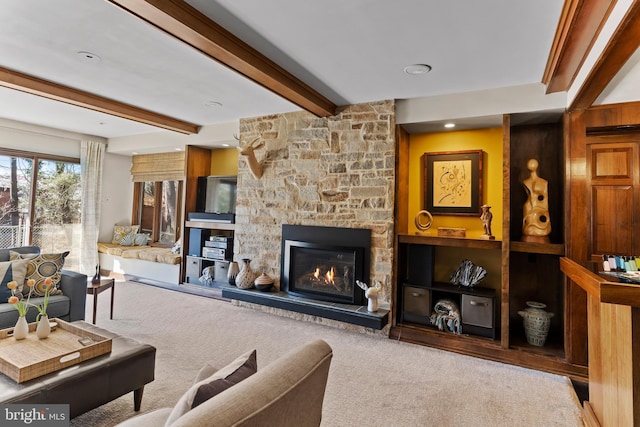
[(613, 310)]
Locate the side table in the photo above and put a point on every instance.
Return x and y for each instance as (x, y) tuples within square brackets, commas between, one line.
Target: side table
[(95, 290)]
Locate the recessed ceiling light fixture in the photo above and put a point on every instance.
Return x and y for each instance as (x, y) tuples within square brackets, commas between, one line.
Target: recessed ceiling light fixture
[(213, 104), (225, 145), (88, 56), (417, 69), (450, 125), (178, 149)]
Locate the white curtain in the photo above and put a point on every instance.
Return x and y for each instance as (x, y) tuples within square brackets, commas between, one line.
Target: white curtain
[(91, 163)]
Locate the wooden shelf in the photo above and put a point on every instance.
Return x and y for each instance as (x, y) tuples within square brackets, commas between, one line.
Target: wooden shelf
[(466, 242), (537, 248), (210, 225)]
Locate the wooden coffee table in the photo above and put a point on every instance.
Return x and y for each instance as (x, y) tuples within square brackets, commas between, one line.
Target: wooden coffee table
[(95, 290)]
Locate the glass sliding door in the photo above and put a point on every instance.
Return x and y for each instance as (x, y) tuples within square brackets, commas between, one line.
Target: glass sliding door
[(40, 204), (56, 220)]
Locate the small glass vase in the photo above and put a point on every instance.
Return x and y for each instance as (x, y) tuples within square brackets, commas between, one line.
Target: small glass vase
[(44, 327), (21, 330)]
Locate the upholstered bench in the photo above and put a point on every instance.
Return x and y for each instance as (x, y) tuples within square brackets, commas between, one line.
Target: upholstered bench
[(156, 263), (92, 383)]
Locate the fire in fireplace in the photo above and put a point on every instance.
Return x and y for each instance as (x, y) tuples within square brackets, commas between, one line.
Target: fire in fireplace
[(325, 262)]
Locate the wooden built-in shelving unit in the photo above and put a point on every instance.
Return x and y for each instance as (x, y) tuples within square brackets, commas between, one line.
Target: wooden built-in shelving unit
[(528, 271)]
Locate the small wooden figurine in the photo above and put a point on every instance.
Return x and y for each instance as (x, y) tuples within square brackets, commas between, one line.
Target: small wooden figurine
[(486, 218)]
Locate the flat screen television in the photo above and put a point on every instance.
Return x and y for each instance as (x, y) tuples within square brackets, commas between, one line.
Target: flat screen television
[(217, 194)]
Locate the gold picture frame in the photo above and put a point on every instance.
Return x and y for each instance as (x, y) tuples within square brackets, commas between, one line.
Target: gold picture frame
[(453, 182)]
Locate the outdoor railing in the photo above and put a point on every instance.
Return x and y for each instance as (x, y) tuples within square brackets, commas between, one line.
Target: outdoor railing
[(50, 239)]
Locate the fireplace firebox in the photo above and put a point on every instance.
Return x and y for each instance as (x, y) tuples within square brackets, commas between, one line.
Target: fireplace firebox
[(324, 262)]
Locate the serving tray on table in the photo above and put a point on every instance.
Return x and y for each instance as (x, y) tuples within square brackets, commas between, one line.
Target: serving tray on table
[(24, 360)]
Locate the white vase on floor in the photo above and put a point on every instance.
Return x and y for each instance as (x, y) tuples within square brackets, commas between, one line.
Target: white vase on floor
[(21, 330), (44, 327)]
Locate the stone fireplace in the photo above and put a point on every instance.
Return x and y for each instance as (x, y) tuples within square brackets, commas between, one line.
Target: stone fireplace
[(324, 262), (336, 171)]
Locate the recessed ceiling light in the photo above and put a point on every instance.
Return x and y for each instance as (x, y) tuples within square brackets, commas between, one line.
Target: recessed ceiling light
[(450, 125), (88, 56), (225, 145), (213, 104), (417, 69), (134, 152), (178, 149)]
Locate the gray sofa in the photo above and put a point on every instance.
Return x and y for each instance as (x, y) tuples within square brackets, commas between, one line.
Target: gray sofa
[(69, 306), (288, 392)]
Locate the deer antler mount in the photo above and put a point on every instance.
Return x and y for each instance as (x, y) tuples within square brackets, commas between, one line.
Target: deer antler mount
[(249, 151)]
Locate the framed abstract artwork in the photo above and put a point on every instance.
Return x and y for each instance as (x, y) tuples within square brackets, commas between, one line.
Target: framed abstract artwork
[(453, 182)]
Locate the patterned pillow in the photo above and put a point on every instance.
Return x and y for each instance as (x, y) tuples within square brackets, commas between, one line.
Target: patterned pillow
[(127, 240), (119, 231), (43, 266), (11, 270), (141, 239)]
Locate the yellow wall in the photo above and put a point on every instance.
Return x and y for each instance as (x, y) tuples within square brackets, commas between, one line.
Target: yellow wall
[(224, 161), (488, 140)]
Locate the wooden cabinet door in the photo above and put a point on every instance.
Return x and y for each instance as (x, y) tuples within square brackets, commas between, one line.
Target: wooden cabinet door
[(614, 182)]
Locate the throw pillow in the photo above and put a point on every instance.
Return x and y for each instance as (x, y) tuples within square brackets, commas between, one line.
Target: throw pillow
[(141, 239), (241, 368), (127, 240), (13, 255), (11, 270), (119, 231), (43, 266)]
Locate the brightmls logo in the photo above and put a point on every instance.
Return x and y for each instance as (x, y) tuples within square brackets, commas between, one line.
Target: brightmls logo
[(34, 415)]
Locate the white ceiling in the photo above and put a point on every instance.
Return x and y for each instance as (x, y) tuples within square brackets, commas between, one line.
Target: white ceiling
[(350, 51)]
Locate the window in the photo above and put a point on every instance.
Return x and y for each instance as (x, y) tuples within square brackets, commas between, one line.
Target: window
[(156, 209), (40, 203)]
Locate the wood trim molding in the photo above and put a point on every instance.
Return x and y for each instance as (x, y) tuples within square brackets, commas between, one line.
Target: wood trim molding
[(622, 45), (35, 86), (579, 26), (187, 24)]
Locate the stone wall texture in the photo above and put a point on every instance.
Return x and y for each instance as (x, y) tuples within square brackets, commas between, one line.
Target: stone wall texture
[(337, 171)]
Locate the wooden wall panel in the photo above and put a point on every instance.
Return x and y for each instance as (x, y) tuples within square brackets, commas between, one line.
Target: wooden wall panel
[(612, 220)]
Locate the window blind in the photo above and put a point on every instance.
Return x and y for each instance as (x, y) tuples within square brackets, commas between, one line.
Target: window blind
[(158, 167)]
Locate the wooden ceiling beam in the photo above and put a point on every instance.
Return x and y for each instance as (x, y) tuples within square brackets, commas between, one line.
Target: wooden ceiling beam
[(622, 45), (187, 24), (18, 81), (579, 25)]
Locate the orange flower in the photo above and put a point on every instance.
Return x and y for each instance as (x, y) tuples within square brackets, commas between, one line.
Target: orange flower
[(13, 299), (31, 283), (12, 285)]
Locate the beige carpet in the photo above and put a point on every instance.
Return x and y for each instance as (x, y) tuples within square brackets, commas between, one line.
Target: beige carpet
[(373, 381)]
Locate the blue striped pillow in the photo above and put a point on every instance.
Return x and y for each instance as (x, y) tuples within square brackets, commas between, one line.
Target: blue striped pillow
[(127, 240)]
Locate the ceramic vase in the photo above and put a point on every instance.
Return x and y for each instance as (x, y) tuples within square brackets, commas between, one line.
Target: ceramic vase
[(21, 330), (44, 327), (232, 274), (536, 322), (263, 282), (244, 279)]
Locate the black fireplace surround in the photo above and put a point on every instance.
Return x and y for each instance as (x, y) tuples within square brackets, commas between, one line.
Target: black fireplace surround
[(323, 263)]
